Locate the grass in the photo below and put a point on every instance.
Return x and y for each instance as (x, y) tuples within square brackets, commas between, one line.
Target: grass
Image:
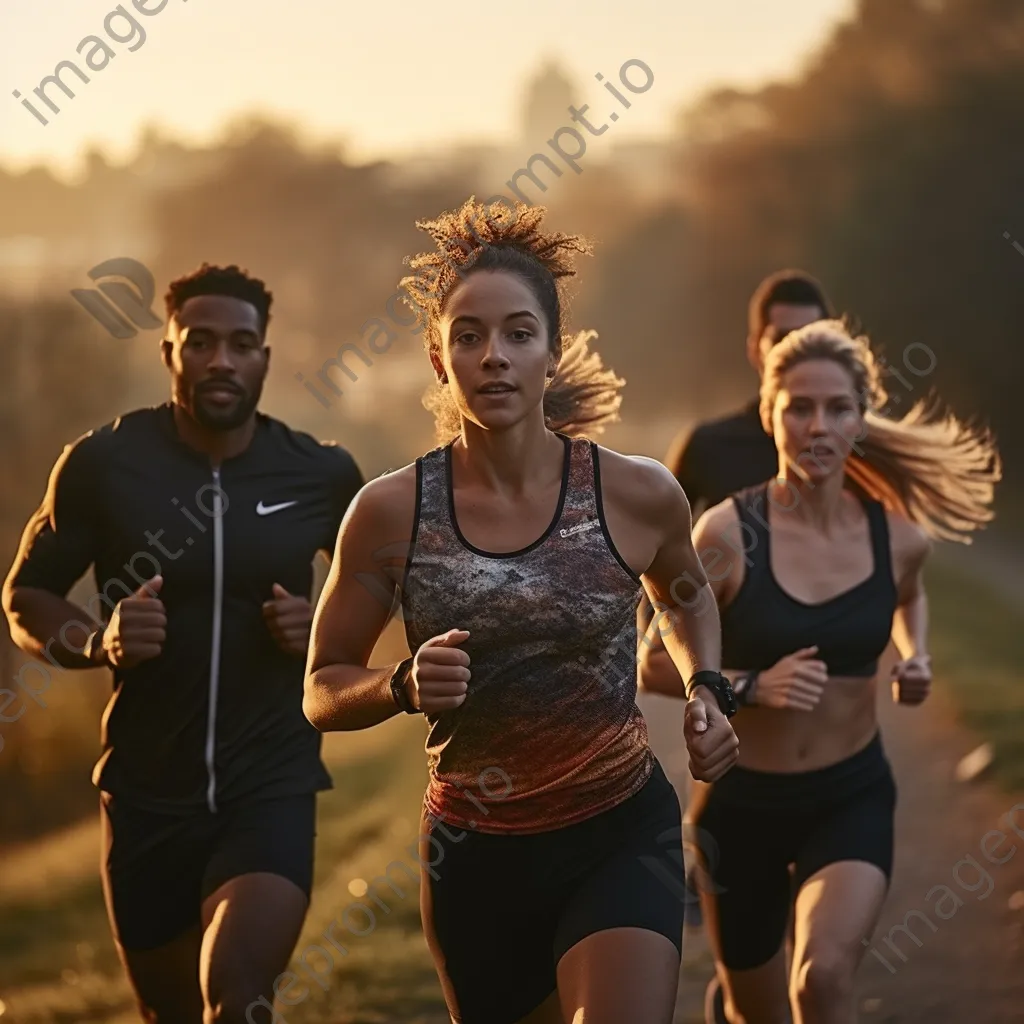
[(977, 642), (57, 962)]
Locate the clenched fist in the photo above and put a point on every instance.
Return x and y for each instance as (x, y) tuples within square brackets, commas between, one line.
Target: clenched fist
[(138, 628), (289, 619), (710, 740), (796, 681), (440, 673), (912, 680)]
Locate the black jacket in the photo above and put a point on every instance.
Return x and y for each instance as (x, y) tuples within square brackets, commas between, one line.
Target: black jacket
[(217, 716)]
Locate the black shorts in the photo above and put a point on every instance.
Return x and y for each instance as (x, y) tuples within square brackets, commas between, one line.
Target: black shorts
[(499, 911), (158, 867), (755, 825)]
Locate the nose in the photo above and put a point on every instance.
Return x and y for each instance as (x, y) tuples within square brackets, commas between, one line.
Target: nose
[(819, 423), (220, 358), (494, 354)]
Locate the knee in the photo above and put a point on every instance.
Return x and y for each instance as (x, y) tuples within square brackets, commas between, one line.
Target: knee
[(823, 978)]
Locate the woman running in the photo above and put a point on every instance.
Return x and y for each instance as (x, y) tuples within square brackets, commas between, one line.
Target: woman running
[(549, 831), (831, 566)]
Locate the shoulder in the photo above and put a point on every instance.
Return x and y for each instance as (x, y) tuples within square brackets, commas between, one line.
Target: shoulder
[(639, 483), (386, 505), (327, 456), (719, 524), (728, 425), (909, 543), (89, 451)]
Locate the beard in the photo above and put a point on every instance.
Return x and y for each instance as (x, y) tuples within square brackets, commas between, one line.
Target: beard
[(214, 416)]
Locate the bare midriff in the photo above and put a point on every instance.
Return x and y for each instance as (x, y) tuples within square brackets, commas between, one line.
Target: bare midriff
[(787, 740)]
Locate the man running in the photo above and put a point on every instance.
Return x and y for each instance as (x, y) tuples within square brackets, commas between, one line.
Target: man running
[(202, 518), (725, 455)]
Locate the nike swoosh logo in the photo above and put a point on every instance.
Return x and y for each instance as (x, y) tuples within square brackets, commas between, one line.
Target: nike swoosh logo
[(265, 510)]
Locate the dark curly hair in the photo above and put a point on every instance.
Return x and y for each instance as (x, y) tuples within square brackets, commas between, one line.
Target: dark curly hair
[(230, 281), (583, 396)]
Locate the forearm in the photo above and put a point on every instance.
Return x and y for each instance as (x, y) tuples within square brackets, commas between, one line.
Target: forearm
[(49, 627), (910, 627), (695, 642), (688, 642), (345, 698)]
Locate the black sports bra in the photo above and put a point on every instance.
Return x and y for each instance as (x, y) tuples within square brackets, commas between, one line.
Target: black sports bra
[(763, 623)]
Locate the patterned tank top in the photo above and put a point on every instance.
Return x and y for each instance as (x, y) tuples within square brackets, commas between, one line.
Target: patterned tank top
[(549, 733)]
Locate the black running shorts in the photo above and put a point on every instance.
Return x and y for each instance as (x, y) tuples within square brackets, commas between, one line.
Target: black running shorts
[(755, 825), (499, 911), (158, 868)]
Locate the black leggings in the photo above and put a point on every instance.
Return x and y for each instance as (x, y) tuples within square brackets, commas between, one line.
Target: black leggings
[(756, 824), (499, 911)]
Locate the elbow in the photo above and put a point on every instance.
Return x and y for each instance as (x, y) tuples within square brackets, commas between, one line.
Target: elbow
[(313, 705), (14, 605)]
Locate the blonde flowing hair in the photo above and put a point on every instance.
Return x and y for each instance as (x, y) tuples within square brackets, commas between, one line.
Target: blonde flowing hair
[(583, 396), (929, 466)]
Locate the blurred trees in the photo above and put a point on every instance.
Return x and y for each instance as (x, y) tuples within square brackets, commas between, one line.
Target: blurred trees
[(890, 169), (61, 376)]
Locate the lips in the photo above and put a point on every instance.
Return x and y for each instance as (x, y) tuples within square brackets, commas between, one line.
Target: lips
[(219, 390), (495, 388)]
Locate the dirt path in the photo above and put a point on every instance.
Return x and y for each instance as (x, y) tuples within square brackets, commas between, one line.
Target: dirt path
[(968, 967)]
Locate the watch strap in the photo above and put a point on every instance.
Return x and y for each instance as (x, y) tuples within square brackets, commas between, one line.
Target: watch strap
[(398, 691)]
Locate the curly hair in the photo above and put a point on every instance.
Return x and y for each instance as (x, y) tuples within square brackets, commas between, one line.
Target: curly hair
[(230, 281), (583, 395), (929, 466)]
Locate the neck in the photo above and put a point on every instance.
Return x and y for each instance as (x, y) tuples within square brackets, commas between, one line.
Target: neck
[(820, 505), (509, 461), (217, 445)]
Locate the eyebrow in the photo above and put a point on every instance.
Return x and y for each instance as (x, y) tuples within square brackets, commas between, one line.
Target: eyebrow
[(204, 328), (512, 316)]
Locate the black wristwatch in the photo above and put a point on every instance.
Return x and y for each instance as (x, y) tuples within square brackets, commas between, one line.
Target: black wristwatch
[(719, 686), (398, 692)]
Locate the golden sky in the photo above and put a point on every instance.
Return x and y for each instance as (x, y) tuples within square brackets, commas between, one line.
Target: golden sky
[(387, 78)]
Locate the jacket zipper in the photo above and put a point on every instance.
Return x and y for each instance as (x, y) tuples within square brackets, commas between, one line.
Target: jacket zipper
[(218, 601)]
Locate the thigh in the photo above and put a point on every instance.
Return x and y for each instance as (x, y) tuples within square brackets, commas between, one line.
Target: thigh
[(152, 876), (152, 870), (620, 974), (744, 880), (743, 876), (639, 884), (276, 837), (256, 892), (488, 918), (861, 828), (842, 874)]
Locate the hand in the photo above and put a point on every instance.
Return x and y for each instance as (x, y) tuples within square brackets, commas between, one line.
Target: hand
[(288, 618), (138, 628), (912, 679), (440, 673), (710, 740), (796, 681)]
